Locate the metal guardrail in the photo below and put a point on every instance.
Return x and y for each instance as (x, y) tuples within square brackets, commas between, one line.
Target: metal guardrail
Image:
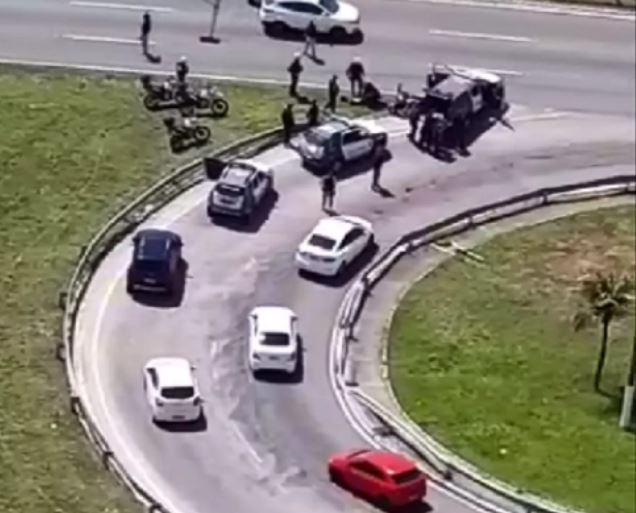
[(452, 469), (120, 225)]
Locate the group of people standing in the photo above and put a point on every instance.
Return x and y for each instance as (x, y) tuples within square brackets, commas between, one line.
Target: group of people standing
[(431, 130)]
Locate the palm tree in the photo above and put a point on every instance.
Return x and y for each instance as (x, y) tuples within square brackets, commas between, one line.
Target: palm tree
[(606, 298)]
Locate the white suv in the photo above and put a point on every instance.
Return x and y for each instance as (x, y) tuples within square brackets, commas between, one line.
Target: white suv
[(171, 390), (329, 16), (273, 339)]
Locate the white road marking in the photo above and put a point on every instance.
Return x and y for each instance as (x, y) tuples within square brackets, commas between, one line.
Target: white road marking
[(130, 7), (503, 72), (479, 35), (248, 446), (545, 115), (104, 39)]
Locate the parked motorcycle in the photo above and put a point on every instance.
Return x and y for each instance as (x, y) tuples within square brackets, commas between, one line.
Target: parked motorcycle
[(188, 132), (205, 98), (156, 93)]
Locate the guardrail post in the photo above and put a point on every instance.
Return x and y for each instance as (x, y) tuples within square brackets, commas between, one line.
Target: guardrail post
[(61, 299), (74, 404), (447, 474), (60, 354), (106, 455)]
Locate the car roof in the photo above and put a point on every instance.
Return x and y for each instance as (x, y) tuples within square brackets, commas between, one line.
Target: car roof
[(273, 319), (390, 462), (172, 371), (315, 2), (453, 86), (333, 227), (153, 243), (333, 127), (238, 172)]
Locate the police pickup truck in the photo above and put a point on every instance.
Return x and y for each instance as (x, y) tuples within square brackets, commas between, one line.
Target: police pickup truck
[(242, 186), (339, 141)]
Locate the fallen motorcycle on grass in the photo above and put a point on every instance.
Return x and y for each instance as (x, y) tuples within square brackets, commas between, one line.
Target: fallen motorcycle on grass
[(186, 133)]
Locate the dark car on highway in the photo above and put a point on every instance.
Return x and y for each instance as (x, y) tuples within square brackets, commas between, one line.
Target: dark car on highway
[(155, 262)]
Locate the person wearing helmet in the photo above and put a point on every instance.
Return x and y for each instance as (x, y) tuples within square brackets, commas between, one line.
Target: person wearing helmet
[(294, 69), (182, 69), (355, 74)]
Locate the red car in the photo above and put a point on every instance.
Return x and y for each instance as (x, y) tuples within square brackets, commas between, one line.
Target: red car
[(386, 478)]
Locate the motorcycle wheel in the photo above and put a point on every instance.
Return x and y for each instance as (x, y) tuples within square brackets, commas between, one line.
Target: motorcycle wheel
[(151, 102), (176, 143), (220, 107), (202, 134)]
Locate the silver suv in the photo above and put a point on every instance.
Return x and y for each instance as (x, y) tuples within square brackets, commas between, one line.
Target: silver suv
[(241, 188)]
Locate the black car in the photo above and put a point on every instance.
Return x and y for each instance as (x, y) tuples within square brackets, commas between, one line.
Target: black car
[(155, 262)]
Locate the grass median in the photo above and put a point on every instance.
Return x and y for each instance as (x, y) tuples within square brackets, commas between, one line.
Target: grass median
[(73, 150), (486, 359)]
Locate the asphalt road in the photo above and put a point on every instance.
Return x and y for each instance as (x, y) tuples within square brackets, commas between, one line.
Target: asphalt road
[(266, 443), (565, 62)]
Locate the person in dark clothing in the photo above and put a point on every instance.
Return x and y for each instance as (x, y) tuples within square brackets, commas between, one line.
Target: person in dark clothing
[(287, 119), (310, 40), (294, 69), (460, 134), (328, 191), (414, 120), (371, 96), (379, 157), (313, 113), (355, 74), (182, 69), (333, 91), (426, 131), (146, 26)]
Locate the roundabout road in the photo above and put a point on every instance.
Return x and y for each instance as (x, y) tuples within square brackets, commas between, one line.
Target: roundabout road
[(265, 444), (565, 62)]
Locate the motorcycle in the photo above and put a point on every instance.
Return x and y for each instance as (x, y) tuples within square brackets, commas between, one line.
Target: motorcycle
[(186, 133), (156, 93), (204, 98)]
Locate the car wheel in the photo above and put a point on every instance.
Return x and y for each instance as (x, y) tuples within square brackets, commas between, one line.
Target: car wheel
[(130, 288), (341, 269), (335, 477), (337, 33), (383, 503), (371, 241), (275, 28)]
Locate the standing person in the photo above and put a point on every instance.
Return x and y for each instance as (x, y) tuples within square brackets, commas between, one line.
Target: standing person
[(287, 119), (313, 114), (294, 69), (146, 27), (460, 134), (328, 190), (414, 120), (355, 74), (379, 156), (426, 131), (182, 69), (333, 91), (310, 40)]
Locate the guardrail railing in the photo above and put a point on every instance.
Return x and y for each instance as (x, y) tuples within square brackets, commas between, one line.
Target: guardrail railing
[(120, 225), (450, 467)]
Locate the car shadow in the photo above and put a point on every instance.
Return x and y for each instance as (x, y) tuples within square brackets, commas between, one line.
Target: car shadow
[(349, 273), (159, 300), (197, 426), (277, 377), (351, 169), (298, 36), (257, 220)]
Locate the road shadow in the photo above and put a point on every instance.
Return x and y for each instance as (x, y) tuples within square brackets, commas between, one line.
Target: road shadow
[(349, 170), (350, 271), (340, 38), (197, 426), (483, 122), (255, 222), (282, 378), (165, 300)]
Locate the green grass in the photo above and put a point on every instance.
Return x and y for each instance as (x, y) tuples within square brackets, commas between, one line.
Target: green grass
[(73, 150), (487, 361)]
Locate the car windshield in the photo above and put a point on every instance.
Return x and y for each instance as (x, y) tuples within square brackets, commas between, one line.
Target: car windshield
[(330, 5), (407, 477), (275, 339), (177, 392), (229, 190), (317, 136), (322, 242)]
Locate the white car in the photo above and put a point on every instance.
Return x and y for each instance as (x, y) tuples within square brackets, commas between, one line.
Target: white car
[(273, 339), (329, 16), (171, 390), (333, 244)]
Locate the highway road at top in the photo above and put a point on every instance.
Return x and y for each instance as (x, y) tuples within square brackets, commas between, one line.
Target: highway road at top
[(564, 62)]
